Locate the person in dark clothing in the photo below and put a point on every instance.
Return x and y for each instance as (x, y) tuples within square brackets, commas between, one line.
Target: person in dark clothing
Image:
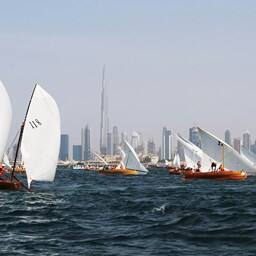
[(198, 166), (213, 166)]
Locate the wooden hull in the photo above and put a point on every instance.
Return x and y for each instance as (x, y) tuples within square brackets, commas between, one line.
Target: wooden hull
[(8, 185), (217, 175), (173, 171), (124, 172)]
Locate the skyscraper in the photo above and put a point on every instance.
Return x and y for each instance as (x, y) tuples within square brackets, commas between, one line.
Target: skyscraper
[(137, 142), (87, 143), (237, 144), (247, 140), (166, 150), (228, 137), (64, 147), (253, 148), (151, 147), (77, 152), (124, 138), (109, 144), (82, 143), (115, 137), (104, 121), (194, 136)]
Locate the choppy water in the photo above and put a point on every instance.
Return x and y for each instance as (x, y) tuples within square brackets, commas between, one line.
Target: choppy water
[(84, 213)]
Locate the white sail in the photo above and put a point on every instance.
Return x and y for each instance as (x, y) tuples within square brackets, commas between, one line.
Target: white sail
[(41, 137), (217, 148), (131, 160), (6, 119), (193, 154), (176, 160), (6, 161), (249, 155), (101, 158), (121, 165)]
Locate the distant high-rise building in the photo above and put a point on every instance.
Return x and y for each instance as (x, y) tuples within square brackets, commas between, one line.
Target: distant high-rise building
[(151, 147), (166, 149), (115, 136), (87, 143), (137, 142), (64, 147), (253, 148), (228, 137), (104, 120), (77, 152), (124, 138), (247, 140), (194, 136), (237, 144), (82, 143), (109, 144)]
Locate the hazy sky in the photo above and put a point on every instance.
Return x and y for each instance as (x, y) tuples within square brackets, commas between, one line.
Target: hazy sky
[(168, 63)]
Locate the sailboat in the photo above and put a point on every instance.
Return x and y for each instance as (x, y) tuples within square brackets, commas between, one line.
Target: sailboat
[(39, 140), (176, 164), (233, 165), (130, 164), (6, 117)]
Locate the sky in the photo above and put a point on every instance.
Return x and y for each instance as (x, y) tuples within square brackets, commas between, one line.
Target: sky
[(168, 63)]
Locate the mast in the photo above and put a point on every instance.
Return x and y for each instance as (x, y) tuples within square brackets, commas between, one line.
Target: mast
[(21, 135)]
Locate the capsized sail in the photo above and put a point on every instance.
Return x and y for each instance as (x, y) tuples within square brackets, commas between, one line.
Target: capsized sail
[(41, 137), (219, 150), (6, 119), (194, 154), (131, 160)]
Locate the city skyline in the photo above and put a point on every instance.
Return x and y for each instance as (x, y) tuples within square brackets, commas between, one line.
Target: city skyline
[(170, 64)]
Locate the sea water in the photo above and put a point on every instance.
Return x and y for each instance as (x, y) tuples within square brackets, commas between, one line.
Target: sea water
[(86, 213)]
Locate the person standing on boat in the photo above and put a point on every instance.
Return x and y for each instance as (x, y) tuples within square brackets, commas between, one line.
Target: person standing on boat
[(221, 168), (198, 166), (213, 166)]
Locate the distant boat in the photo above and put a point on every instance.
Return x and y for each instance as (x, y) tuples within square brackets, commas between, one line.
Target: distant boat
[(176, 160), (39, 140), (130, 165)]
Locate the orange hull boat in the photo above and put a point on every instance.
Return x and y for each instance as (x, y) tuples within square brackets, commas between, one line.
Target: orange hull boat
[(216, 175), (119, 171)]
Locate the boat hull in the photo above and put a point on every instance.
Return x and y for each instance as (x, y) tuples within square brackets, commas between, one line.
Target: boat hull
[(124, 172), (8, 185), (174, 171), (216, 175)]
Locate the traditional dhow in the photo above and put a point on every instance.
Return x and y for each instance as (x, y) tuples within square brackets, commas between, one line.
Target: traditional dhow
[(224, 153), (130, 164), (216, 175), (39, 140)]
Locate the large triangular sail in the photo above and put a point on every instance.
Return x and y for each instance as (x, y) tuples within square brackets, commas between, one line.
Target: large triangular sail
[(6, 119), (193, 154), (41, 137), (219, 150), (131, 160)]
